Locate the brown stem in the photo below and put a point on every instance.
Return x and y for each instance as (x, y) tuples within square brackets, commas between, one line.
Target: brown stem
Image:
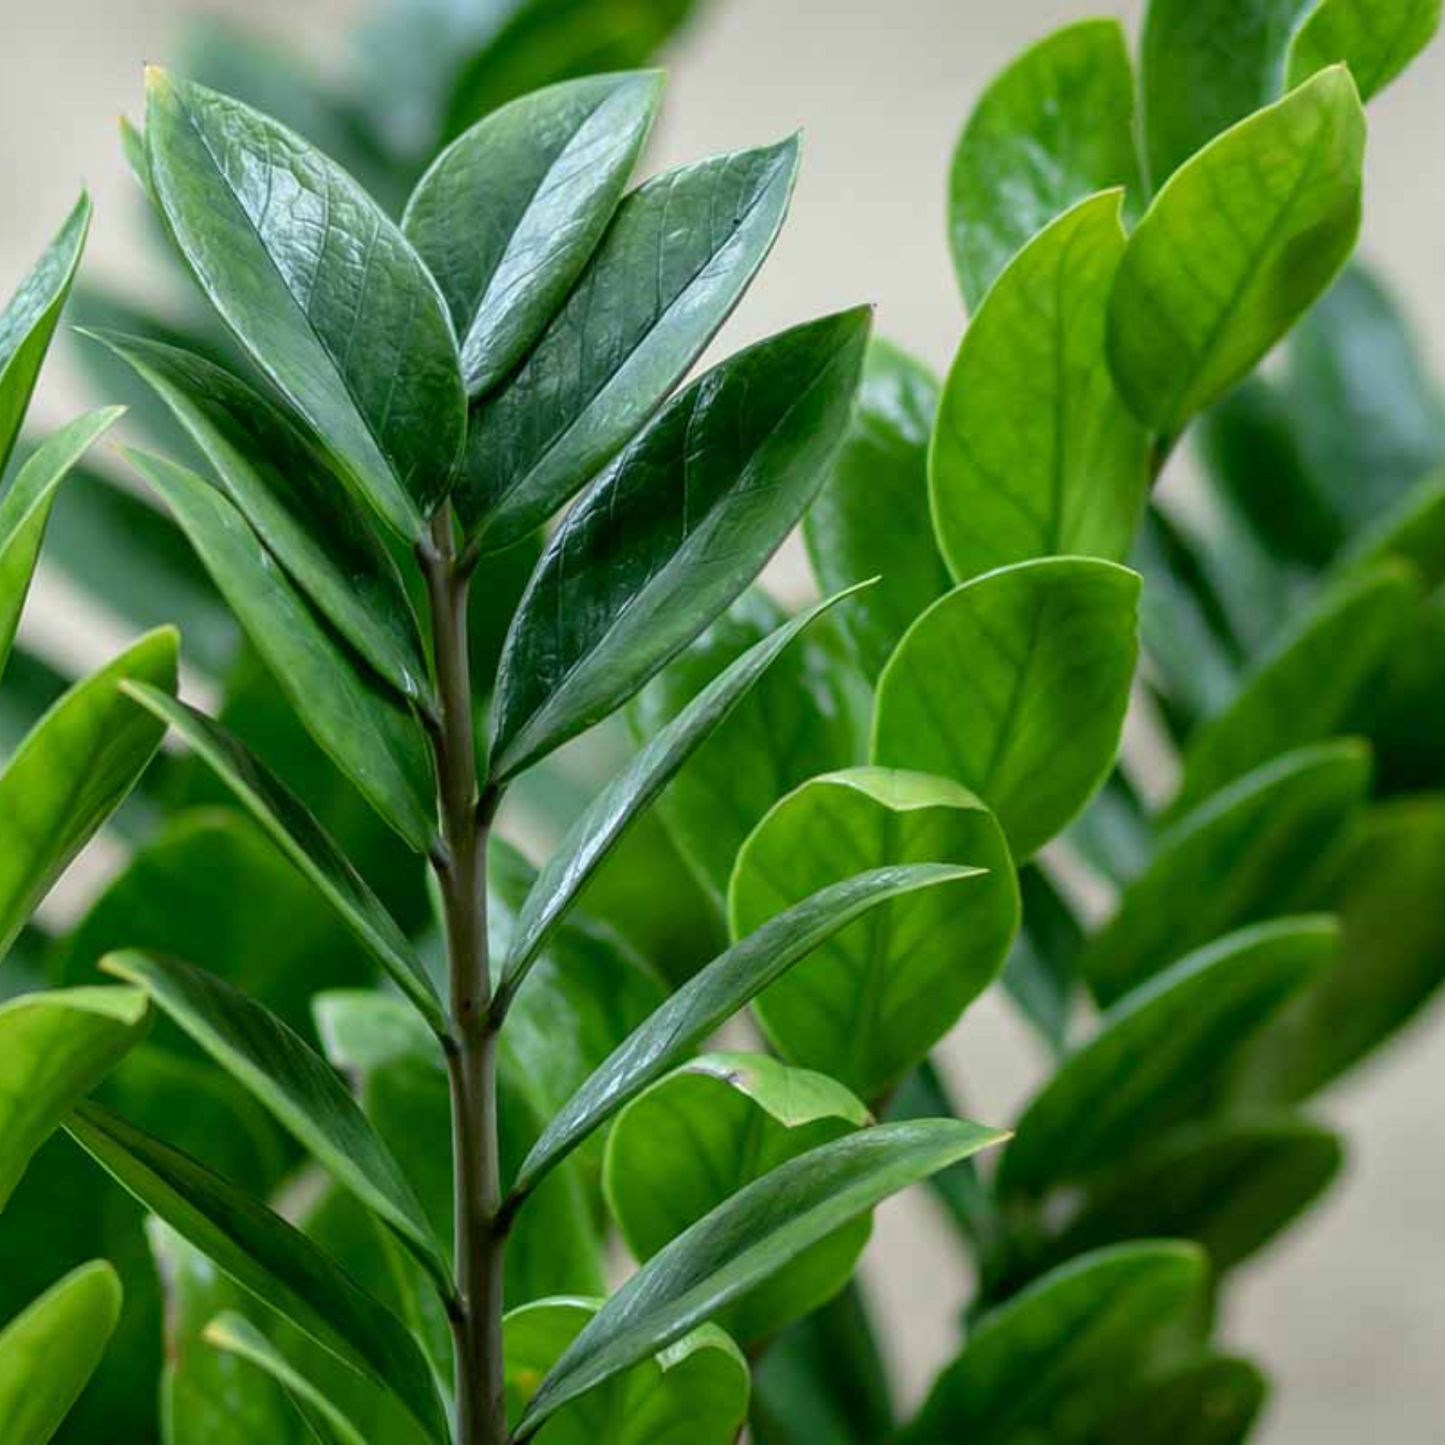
[(461, 868)]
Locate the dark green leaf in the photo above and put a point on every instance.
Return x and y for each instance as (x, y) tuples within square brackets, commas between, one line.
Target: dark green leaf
[(1042, 971), (1016, 685), (321, 289), (347, 710), (1268, 213), (265, 1255), (510, 212), (872, 517), (72, 771), (869, 1004), (48, 1353), (672, 532), (1212, 1401), (1236, 860), (304, 842), (714, 995), (617, 348), (1376, 40), (743, 1242), (1161, 1051), (1057, 125), (29, 319), (697, 1136), (1035, 453)]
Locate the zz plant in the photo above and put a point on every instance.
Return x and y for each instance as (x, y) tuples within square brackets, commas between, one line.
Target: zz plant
[(380, 1089)]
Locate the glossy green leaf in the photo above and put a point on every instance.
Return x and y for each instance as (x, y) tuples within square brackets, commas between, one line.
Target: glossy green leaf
[(743, 1242), (703, 1132), (1205, 64), (1237, 858), (1051, 1362), (1376, 40), (1385, 882), (1268, 214), (607, 818), (72, 771), (1042, 971), (714, 995), (29, 319), (1057, 125), (616, 348), (872, 517), (868, 1005), (322, 290), (299, 508), (355, 719), (802, 718), (1016, 685), (695, 1390), (265, 1255), (1313, 684), (302, 839), (25, 509), (508, 215), (238, 1336), (48, 1353), (290, 1079), (54, 1049), (1160, 1052), (1212, 1401), (673, 531), (1035, 454)]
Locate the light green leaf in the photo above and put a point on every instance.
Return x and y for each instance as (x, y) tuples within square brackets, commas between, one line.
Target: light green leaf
[(703, 1132), (1057, 125), (322, 290), (695, 1390), (1313, 684), (743, 1242), (1161, 1052), (1050, 1363), (1034, 453), (1212, 1401), (1016, 685), (267, 1256), (1385, 881), (298, 506), (1237, 858), (284, 1074), (607, 818), (302, 839), (29, 320), (238, 1336), (616, 348), (508, 215), (54, 1049), (672, 532), (48, 1352), (25, 509), (1376, 40), (1234, 249), (869, 1004), (872, 518), (72, 771), (713, 996), (355, 719)]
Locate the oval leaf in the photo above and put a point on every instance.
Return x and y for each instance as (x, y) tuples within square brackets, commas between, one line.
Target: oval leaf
[(870, 1003), (510, 212), (1035, 454), (1268, 213), (672, 533), (1376, 40), (1213, 1401), (324, 293), (1016, 685)]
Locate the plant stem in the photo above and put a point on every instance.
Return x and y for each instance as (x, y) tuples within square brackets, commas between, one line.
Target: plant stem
[(461, 867)]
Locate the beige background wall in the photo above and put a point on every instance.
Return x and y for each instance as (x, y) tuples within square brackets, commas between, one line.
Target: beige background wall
[(1350, 1314)]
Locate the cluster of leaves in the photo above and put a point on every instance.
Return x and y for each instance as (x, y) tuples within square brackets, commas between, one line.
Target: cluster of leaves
[(835, 817)]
